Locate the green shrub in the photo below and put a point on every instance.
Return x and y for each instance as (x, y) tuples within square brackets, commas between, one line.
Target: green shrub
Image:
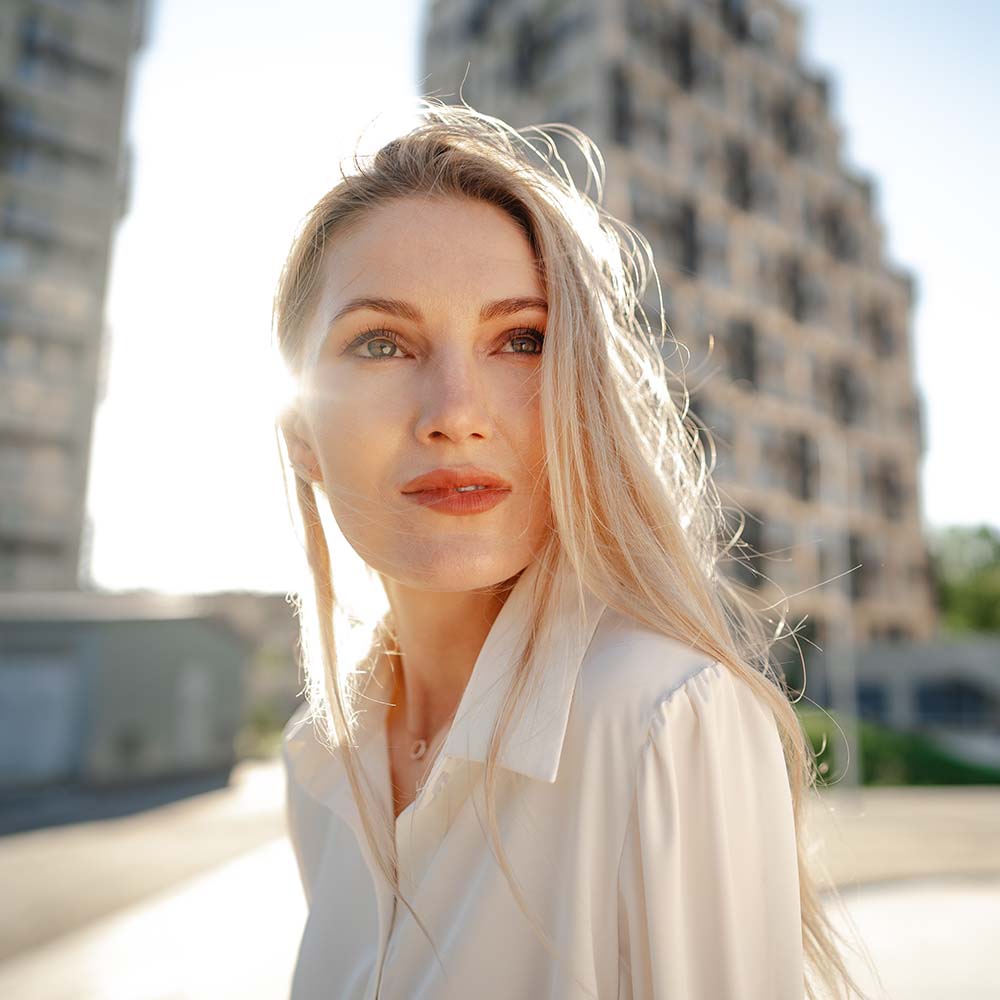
[(890, 757)]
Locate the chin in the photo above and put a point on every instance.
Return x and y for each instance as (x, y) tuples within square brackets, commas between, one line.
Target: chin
[(456, 565)]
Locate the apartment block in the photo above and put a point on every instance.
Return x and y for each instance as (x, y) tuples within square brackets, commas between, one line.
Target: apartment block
[(65, 69), (722, 150)]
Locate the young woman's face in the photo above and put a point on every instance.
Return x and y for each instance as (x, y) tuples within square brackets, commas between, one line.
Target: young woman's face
[(428, 341)]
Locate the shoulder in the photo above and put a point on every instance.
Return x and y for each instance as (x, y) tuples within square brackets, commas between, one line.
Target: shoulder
[(630, 669), (633, 679)]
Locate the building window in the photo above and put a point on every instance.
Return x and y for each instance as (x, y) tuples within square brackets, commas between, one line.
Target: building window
[(742, 561), (897, 633), (527, 49), (836, 234), (791, 283), (685, 228), (711, 242), (669, 224), (739, 178), (847, 397), (807, 644), (789, 460), (873, 702), (862, 566), (886, 483), (679, 53), (787, 125), (716, 429), (477, 23), (742, 353), (799, 293), (540, 46), (735, 19), (779, 548), (802, 460), (953, 703), (621, 105), (881, 336)]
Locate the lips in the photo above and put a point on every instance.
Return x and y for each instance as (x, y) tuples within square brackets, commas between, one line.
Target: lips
[(452, 478)]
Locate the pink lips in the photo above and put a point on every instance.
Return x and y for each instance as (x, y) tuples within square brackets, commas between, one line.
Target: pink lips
[(439, 490)]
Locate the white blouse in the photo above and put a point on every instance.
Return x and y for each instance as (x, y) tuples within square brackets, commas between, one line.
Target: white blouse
[(643, 804)]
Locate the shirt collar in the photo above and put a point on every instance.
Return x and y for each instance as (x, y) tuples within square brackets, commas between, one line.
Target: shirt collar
[(533, 743)]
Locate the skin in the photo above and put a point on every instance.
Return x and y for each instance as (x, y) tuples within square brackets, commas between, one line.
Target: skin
[(454, 390)]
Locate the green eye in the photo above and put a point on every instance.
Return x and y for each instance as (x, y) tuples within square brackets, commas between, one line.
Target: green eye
[(371, 337), (529, 335)]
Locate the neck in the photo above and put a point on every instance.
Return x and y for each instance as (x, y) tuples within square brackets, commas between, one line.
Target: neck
[(439, 636)]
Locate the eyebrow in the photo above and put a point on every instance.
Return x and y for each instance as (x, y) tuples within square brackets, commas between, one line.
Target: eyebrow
[(396, 307)]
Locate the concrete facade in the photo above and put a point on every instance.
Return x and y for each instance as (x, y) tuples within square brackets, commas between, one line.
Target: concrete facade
[(64, 184), (722, 150), (107, 689)]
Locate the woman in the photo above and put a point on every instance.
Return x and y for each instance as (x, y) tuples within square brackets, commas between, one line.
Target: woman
[(564, 767)]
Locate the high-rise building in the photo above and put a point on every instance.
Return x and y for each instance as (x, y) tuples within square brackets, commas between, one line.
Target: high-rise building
[(65, 69), (721, 149)]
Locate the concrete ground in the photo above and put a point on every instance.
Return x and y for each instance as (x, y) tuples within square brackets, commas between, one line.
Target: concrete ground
[(61, 878), (880, 834), (203, 897), (927, 939)]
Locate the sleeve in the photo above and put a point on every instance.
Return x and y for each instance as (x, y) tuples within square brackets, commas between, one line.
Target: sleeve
[(708, 888), (306, 821)]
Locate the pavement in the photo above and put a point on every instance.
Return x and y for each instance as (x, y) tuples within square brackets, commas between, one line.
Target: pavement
[(926, 939), (883, 834), (57, 879), (202, 895)]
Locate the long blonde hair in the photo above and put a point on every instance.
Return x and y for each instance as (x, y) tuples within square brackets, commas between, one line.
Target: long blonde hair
[(633, 504)]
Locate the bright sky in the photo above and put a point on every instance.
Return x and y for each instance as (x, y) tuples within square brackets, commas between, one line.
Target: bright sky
[(241, 114)]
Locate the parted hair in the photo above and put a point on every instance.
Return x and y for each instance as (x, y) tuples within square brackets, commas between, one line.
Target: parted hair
[(634, 508)]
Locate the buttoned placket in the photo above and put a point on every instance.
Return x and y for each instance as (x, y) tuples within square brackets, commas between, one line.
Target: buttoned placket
[(420, 829)]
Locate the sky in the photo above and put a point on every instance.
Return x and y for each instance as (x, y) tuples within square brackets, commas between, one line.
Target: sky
[(240, 117)]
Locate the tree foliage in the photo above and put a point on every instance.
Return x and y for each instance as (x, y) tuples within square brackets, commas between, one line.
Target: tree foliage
[(965, 561)]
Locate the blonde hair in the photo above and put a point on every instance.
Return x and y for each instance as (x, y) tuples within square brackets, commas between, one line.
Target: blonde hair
[(633, 505)]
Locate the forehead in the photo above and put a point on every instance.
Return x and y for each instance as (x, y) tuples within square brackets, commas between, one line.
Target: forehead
[(440, 249)]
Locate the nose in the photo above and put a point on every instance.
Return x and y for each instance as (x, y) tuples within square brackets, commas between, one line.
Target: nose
[(454, 400)]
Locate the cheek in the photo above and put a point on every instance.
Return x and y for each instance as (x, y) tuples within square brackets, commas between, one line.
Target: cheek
[(355, 433), (531, 419)]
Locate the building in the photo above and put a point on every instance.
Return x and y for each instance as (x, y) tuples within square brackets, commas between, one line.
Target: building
[(104, 689), (948, 690), (721, 149), (65, 72)]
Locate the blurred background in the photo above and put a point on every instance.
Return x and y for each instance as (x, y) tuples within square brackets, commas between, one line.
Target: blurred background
[(818, 183)]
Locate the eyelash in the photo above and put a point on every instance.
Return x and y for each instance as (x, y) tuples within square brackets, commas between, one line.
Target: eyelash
[(378, 333)]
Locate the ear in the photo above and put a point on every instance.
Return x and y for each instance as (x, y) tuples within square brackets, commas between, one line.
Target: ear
[(297, 440)]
